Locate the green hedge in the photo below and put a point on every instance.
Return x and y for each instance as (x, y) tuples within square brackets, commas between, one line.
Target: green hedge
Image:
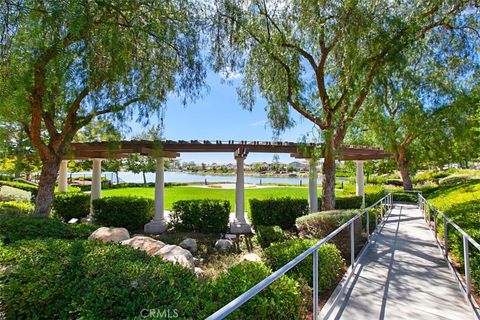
[(330, 262), (280, 300), (65, 279), (267, 235), (58, 279), (455, 179), (16, 208), (405, 196), (23, 186), (351, 202), (206, 216), (126, 212), (277, 211), (70, 205), (14, 228)]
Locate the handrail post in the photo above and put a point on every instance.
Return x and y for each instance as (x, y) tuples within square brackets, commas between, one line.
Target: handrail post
[(466, 259), (445, 234), (315, 284), (435, 222), (376, 220), (352, 244), (368, 225)]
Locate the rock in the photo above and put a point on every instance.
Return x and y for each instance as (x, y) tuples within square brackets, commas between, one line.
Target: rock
[(190, 245), (199, 272), (176, 254), (110, 234), (147, 244), (223, 244), (251, 257)]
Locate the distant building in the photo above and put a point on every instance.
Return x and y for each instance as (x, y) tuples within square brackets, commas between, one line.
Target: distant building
[(299, 165)]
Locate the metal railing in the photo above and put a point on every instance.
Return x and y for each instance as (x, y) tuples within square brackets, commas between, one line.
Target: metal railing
[(385, 205), (431, 216)]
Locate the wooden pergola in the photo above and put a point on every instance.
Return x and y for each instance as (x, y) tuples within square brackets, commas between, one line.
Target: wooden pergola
[(172, 149), (97, 151)]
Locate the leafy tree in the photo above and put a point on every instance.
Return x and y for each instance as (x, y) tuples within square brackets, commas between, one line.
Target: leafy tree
[(413, 111), (319, 58), (64, 63)]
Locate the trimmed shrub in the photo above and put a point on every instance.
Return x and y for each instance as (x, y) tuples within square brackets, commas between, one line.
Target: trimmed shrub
[(373, 194), (206, 216), (126, 212), (269, 234), (16, 208), (405, 196), (330, 261), (22, 186), (352, 202), (59, 279), (321, 224), (15, 228), (455, 179), (395, 182), (277, 211), (280, 300), (70, 205)]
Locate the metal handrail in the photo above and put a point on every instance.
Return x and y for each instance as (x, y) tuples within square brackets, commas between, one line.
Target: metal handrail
[(386, 203), (466, 287)]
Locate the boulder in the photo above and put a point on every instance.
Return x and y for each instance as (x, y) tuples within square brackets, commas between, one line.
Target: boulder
[(190, 245), (110, 234), (251, 257), (176, 254), (223, 244), (147, 244)]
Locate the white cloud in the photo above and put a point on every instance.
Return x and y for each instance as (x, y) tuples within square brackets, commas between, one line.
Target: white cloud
[(229, 74), (260, 123)]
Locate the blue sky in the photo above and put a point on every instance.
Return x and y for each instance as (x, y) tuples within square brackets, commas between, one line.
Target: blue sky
[(219, 116)]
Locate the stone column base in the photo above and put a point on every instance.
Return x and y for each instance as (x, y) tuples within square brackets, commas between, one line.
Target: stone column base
[(240, 227), (155, 227)]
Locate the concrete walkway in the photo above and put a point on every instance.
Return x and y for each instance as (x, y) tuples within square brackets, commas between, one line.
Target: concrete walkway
[(402, 276)]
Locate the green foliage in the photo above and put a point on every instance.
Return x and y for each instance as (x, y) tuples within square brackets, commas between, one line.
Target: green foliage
[(127, 212), (58, 279), (429, 175), (321, 224), (330, 261), (277, 211), (22, 186), (70, 205), (460, 202), (14, 228), (455, 179), (267, 235), (280, 300), (351, 202), (16, 208), (206, 216), (405, 196)]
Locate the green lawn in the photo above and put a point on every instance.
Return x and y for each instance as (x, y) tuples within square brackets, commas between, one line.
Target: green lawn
[(173, 194)]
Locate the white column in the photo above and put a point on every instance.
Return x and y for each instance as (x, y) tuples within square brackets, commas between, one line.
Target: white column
[(158, 223), (62, 176), (360, 182), (312, 186), (96, 192), (240, 224)]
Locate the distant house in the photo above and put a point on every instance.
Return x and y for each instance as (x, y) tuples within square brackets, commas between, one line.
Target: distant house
[(299, 165)]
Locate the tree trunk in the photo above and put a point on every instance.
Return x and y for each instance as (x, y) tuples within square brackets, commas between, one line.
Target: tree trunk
[(46, 187), (144, 179), (407, 181), (118, 180), (328, 171)]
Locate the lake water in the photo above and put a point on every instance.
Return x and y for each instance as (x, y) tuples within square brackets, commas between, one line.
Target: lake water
[(184, 177)]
